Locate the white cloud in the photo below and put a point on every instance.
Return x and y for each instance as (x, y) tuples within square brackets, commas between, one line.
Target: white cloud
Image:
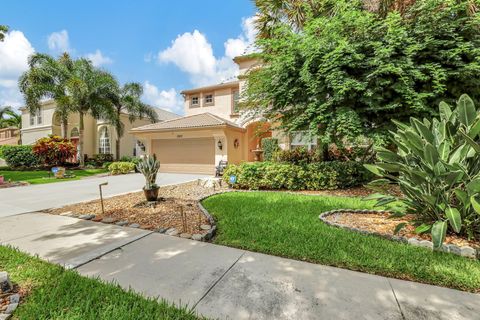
[(193, 54), (98, 58), (244, 42), (14, 53), (58, 42), (165, 99)]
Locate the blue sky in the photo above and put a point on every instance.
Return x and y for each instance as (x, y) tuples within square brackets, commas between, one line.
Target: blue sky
[(167, 46)]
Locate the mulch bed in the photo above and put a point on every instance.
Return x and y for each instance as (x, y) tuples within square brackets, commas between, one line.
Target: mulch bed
[(381, 223), (166, 213)]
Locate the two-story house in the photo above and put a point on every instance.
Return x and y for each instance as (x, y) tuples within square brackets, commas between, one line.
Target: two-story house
[(212, 129), (99, 135)]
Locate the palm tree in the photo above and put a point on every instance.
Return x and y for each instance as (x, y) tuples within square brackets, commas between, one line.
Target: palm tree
[(46, 79), (13, 119), (3, 31), (90, 91), (4, 111), (126, 100)]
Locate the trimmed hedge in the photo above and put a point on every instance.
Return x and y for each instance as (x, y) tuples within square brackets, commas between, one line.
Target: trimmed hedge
[(19, 156), (121, 167), (314, 176)]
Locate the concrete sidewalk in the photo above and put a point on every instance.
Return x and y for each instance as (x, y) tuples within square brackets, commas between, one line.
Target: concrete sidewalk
[(44, 196), (227, 283)]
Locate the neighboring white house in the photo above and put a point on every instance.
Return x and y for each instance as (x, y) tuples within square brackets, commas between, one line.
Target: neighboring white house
[(99, 135)]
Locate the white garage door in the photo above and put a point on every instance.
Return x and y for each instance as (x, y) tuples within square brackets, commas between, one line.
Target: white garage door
[(185, 155)]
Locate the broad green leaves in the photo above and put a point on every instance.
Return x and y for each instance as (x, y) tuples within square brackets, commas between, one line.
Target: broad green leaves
[(439, 231), (437, 168), (454, 218), (466, 110)]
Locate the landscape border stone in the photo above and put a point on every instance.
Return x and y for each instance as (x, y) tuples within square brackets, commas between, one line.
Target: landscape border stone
[(464, 251), (8, 293)]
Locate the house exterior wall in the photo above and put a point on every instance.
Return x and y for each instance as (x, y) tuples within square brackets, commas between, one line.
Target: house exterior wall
[(222, 105), (31, 133), (9, 136)]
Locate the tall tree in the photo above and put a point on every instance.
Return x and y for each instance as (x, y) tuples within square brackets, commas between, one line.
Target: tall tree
[(47, 79), (10, 118), (350, 73), (126, 101), (90, 90), (3, 31), (4, 111)]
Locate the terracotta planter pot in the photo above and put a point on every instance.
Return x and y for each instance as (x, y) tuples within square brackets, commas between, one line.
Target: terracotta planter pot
[(151, 194), (1, 180)]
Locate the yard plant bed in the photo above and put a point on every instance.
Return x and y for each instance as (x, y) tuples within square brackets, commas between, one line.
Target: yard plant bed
[(382, 223), (287, 225), (165, 214), (55, 293), (43, 176)]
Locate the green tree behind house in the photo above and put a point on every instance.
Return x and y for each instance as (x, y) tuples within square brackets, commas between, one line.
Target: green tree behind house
[(345, 71)]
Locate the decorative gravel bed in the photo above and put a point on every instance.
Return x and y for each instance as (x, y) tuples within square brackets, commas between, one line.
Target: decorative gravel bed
[(379, 223), (176, 213)]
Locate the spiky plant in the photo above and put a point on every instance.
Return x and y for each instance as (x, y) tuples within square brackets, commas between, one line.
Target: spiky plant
[(149, 166)]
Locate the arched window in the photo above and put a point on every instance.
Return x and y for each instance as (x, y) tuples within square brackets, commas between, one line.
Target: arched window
[(104, 142), (74, 133)]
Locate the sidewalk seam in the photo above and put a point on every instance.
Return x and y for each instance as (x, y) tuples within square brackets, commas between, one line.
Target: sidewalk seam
[(109, 251), (396, 299), (218, 280)]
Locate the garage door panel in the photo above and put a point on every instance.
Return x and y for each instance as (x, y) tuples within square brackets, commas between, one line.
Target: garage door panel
[(185, 155)]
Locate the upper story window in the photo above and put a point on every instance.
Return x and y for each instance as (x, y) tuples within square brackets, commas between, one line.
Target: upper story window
[(194, 101), (235, 101), (38, 116), (209, 99)]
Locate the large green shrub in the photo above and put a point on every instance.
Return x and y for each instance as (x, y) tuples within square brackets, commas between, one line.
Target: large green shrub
[(437, 167), (348, 71), (299, 156), (314, 176), (121, 167), (20, 156), (269, 146)]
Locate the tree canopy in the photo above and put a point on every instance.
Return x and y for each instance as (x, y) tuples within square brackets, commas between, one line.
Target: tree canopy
[(348, 71)]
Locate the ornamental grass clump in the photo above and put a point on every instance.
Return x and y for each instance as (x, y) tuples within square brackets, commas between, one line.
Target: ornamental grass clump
[(437, 167)]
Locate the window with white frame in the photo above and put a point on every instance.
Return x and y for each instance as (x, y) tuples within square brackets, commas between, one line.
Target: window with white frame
[(194, 101), (39, 116), (209, 99), (303, 139), (104, 141), (32, 119), (235, 101)]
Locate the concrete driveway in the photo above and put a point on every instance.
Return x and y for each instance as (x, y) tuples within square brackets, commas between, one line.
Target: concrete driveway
[(44, 196)]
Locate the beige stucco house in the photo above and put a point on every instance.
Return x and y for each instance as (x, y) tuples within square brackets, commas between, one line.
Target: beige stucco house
[(99, 135), (213, 129), (9, 136)]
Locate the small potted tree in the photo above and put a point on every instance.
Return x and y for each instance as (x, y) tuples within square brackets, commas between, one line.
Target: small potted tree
[(149, 167)]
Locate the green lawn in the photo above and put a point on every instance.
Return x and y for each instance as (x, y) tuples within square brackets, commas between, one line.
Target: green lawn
[(39, 177), (287, 225), (56, 293)]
